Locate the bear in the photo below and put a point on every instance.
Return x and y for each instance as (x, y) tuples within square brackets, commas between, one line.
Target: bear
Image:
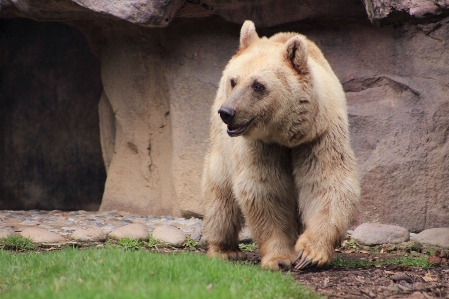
[(279, 157)]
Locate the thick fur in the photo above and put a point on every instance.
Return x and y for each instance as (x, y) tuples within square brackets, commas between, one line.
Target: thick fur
[(292, 174)]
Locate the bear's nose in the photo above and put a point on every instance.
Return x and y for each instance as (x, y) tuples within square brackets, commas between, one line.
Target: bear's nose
[(226, 114)]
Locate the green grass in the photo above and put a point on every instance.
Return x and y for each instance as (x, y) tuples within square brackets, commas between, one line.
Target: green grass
[(151, 244), (130, 244), (116, 273), (191, 244), (17, 243), (405, 261), (248, 246)]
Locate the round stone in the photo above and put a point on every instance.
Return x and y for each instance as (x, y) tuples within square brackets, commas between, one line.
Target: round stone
[(40, 235), (135, 231), (376, 234), (169, 234), (434, 236), (89, 234)]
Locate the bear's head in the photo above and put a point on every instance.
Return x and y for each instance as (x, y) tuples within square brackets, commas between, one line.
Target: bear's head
[(269, 90)]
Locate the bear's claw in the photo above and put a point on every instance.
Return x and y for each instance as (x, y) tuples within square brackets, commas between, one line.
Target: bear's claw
[(302, 261)]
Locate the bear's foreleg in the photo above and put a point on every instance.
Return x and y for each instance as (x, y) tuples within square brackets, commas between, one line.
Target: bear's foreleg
[(223, 218), (265, 191), (328, 191), (272, 221)]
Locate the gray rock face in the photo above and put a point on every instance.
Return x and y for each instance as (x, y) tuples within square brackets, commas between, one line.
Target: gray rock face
[(151, 13), (274, 12), (154, 13), (169, 234), (434, 236), (40, 235), (376, 234), (146, 12), (89, 234), (394, 10), (133, 231)]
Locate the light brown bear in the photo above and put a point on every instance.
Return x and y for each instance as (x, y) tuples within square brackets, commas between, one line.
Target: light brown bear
[(279, 154)]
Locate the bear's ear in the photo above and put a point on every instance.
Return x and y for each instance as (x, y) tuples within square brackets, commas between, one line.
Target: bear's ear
[(297, 51), (248, 35)]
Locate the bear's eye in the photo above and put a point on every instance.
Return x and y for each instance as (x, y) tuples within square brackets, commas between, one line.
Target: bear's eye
[(258, 87), (232, 83)]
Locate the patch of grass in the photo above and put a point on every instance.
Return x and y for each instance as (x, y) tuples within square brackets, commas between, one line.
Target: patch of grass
[(17, 243), (191, 244), (248, 246), (130, 244), (404, 261), (118, 273), (421, 262), (376, 249), (351, 244), (153, 243)]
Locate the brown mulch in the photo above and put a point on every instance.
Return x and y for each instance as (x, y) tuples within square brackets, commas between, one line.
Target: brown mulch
[(393, 281)]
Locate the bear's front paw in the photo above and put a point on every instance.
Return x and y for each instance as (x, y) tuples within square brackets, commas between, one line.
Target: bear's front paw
[(232, 255), (312, 253)]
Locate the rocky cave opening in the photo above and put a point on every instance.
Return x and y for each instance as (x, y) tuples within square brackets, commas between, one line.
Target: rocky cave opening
[(50, 87)]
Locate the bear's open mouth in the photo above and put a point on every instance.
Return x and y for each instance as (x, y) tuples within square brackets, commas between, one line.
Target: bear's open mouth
[(238, 130)]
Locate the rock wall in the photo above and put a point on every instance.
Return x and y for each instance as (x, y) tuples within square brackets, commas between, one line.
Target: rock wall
[(396, 82), (159, 84), (136, 121)]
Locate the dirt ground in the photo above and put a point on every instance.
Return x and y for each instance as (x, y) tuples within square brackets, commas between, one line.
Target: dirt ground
[(393, 281), (396, 281)]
